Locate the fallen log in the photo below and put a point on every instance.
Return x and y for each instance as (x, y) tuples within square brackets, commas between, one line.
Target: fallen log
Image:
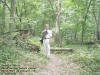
[(62, 49), (34, 47)]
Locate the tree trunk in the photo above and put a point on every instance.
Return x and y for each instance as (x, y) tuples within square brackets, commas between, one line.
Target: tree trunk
[(84, 22), (62, 49), (97, 22), (58, 36), (97, 27), (12, 16), (3, 18), (25, 8)]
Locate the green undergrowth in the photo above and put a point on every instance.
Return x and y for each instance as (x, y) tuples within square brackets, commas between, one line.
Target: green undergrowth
[(86, 56), (10, 54)]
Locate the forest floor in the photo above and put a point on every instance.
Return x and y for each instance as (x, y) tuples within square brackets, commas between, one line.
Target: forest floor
[(59, 65), (85, 60)]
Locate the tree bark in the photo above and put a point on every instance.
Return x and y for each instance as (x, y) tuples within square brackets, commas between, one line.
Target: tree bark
[(61, 49), (97, 27), (12, 16), (97, 22), (58, 36), (3, 17)]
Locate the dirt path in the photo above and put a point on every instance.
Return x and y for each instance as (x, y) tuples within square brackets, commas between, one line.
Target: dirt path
[(59, 65)]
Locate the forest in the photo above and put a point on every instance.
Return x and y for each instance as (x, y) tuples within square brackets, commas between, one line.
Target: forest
[(75, 26)]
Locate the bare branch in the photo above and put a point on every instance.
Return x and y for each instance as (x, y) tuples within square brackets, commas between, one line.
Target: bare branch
[(3, 1)]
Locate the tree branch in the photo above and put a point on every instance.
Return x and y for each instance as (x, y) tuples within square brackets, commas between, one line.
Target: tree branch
[(88, 10), (6, 4)]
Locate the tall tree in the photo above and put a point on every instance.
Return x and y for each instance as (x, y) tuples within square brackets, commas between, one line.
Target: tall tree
[(12, 16), (58, 36), (85, 19), (97, 20), (3, 17)]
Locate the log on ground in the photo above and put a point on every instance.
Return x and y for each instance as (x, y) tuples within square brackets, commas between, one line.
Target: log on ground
[(62, 49)]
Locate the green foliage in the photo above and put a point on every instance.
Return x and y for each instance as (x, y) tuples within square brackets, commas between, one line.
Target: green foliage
[(7, 50), (34, 14), (10, 54), (87, 57)]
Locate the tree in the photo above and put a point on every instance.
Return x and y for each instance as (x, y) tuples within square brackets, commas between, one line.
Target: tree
[(3, 17), (97, 19), (84, 22), (12, 16), (58, 36)]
